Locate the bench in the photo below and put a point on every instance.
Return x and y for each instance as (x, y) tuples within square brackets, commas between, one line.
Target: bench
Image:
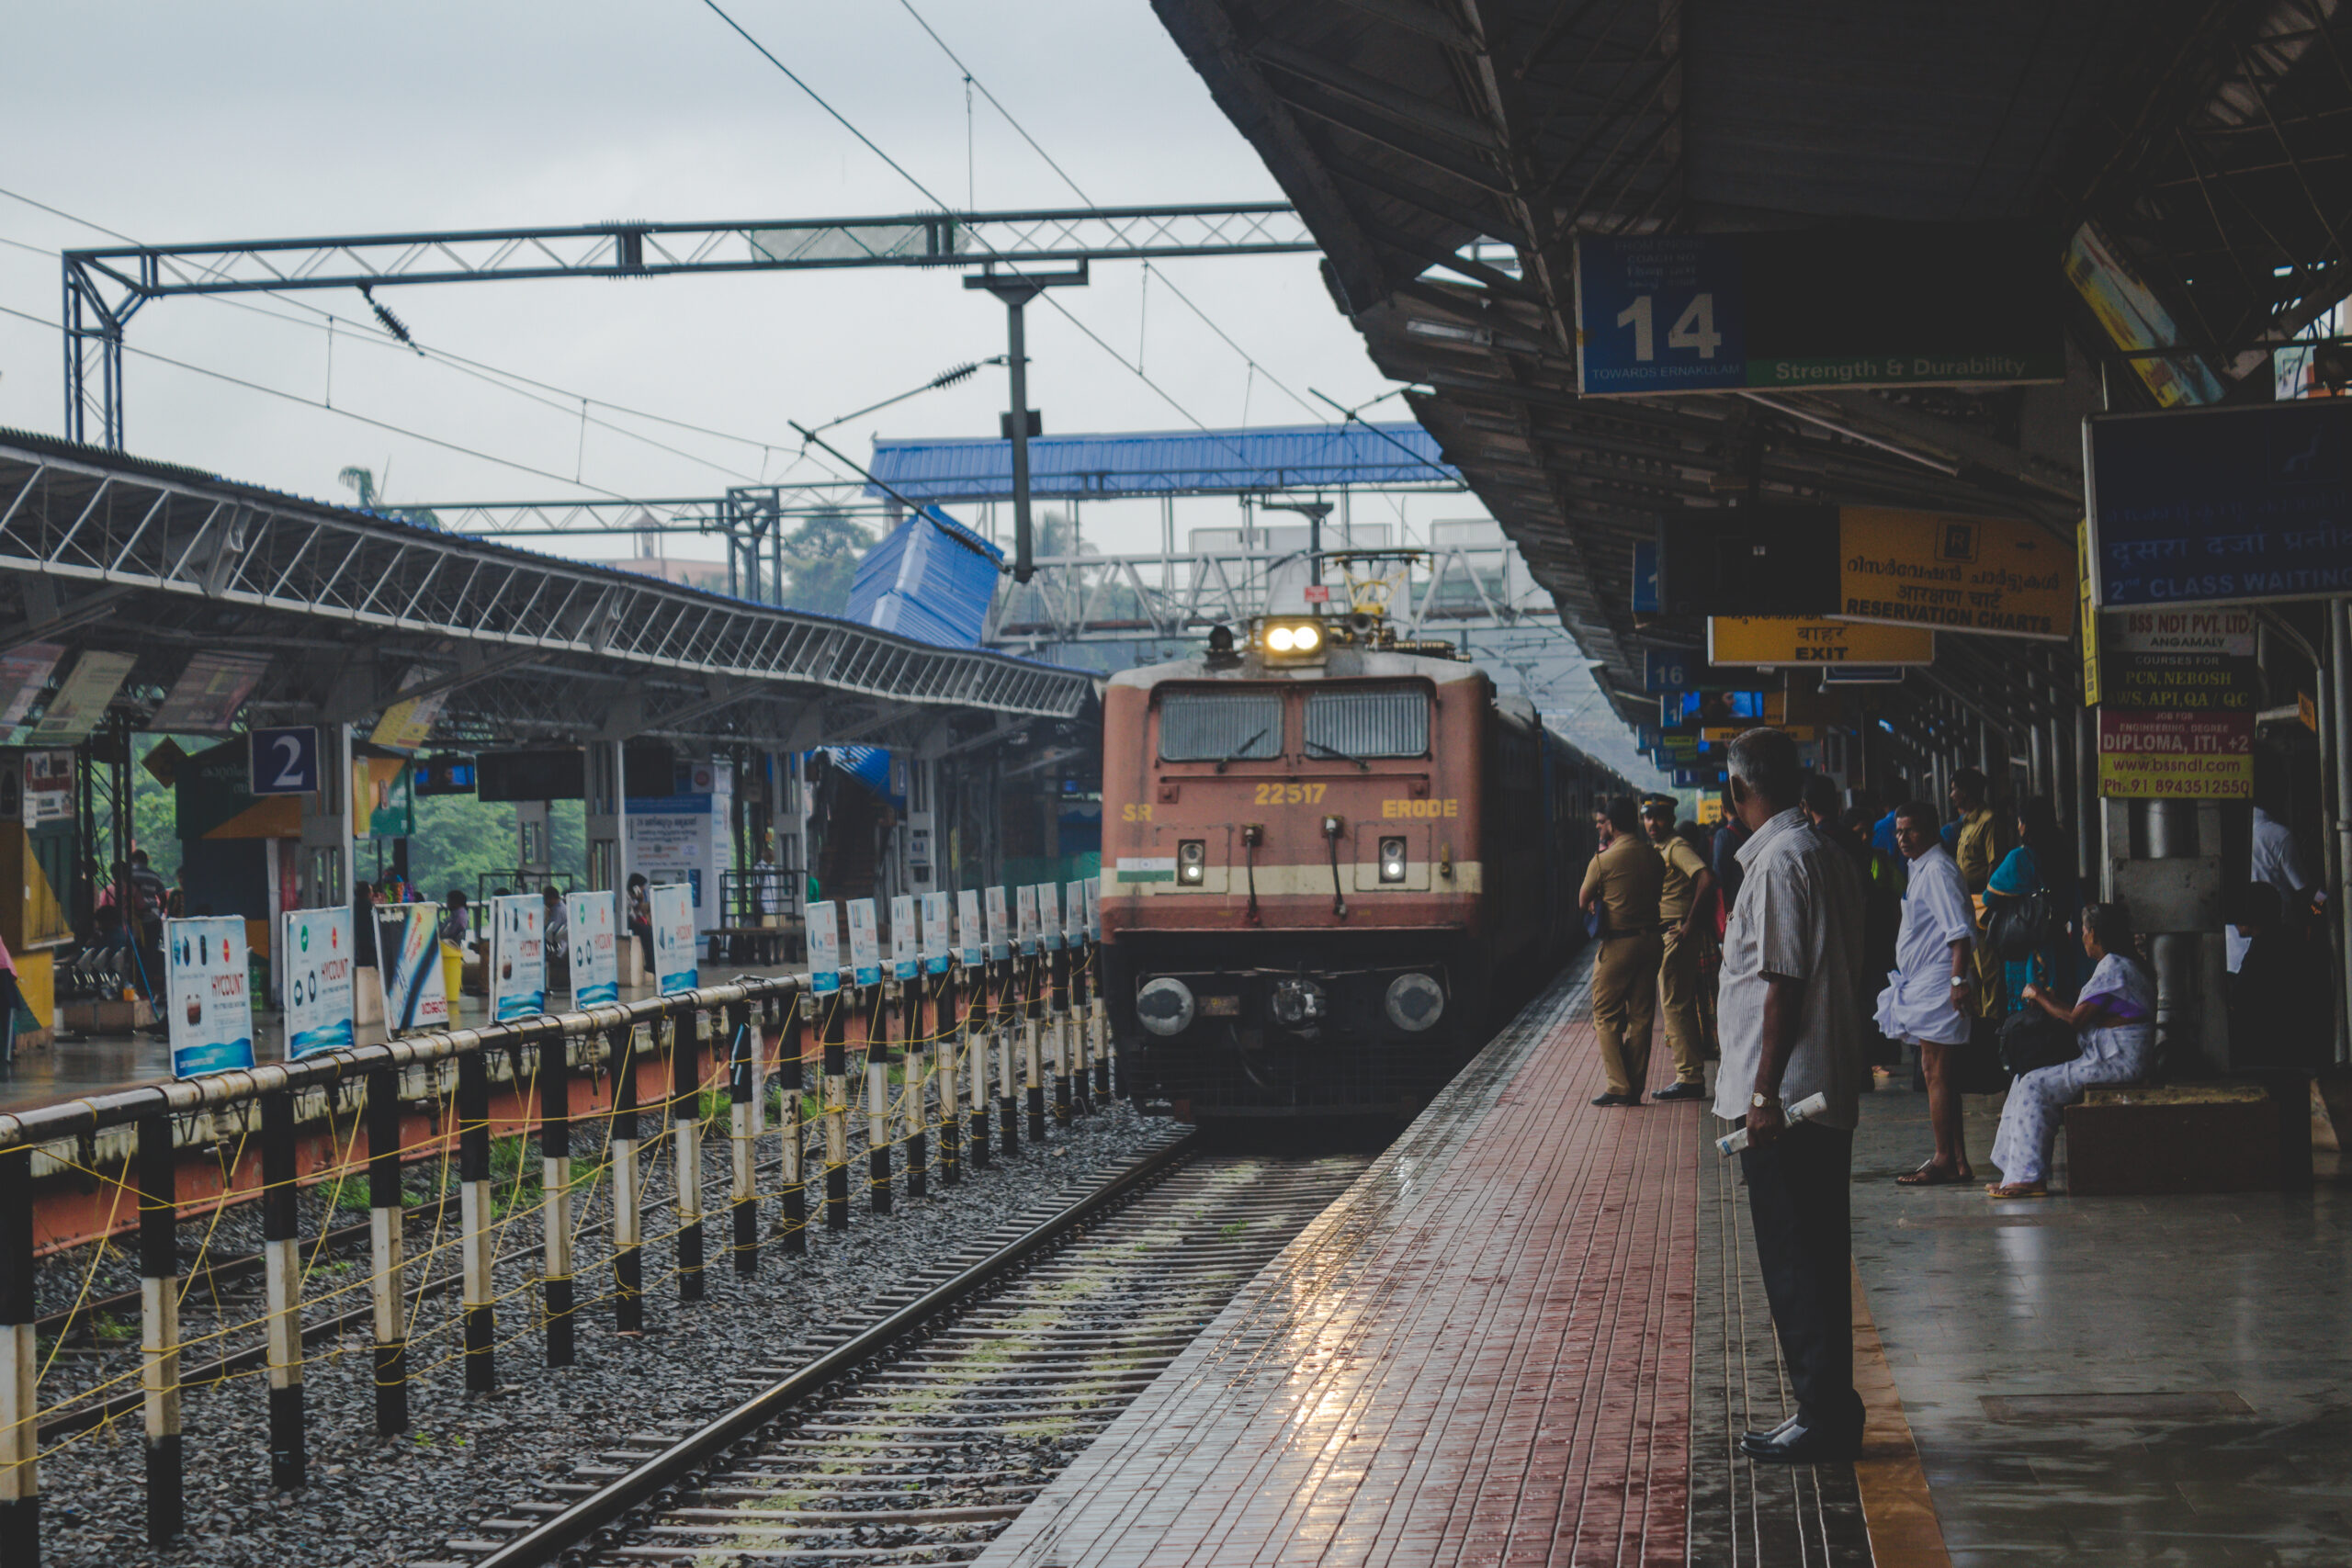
[(2238, 1136), (774, 945)]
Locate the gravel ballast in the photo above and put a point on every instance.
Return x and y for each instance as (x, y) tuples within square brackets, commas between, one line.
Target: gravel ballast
[(468, 1456)]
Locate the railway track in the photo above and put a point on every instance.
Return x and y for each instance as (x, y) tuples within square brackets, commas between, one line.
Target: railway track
[(918, 1435)]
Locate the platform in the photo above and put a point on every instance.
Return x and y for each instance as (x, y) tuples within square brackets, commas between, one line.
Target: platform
[(1485, 1353)]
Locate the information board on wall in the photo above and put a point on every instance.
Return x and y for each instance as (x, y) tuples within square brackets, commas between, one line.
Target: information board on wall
[(317, 969), (675, 965), (2180, 694), (594, 948), (2221, 505), (211, 1016), (407, 954)]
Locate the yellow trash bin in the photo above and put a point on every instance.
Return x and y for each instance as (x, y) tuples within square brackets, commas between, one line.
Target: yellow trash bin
[(453, 976)]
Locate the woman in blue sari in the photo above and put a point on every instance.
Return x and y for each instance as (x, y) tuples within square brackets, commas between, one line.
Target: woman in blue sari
[(2043, 863)]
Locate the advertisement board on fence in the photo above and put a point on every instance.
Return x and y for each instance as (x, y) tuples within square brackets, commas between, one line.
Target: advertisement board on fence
[(971, 937), (593, 950), (1025, 908), (936, 947), (317, 945), (999, 926), (518, 957), (864, 943), (211, 1016), (408, 954), (674, 966), (824, 947), (1049, 917), (902, 936)]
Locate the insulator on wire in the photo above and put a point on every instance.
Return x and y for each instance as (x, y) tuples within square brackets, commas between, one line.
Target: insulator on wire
[(949, 378), (392, 324)]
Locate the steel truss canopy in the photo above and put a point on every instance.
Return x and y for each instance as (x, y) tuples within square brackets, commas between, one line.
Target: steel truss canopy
[(1449, 153), (358, 611), (105, 287)]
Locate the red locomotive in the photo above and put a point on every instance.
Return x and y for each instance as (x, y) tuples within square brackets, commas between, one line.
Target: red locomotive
[(1332, 863)]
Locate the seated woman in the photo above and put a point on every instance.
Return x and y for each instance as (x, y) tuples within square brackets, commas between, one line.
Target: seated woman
[(2116, 1020)]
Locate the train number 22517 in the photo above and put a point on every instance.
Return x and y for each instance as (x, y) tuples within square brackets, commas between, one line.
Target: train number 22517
[(1290, 794)]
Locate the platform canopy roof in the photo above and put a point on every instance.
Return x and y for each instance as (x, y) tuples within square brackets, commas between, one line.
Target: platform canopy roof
[(356, 611), (1448, 153), (1177, 462)]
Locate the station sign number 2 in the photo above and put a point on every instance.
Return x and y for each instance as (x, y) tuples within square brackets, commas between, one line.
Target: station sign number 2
[(285, 761)]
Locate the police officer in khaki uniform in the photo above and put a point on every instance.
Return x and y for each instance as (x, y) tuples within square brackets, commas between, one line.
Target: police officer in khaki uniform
[(1623, 880), (1688, 881)]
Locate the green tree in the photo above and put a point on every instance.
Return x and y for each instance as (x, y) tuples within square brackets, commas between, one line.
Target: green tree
[(821, 560), (362, 483)]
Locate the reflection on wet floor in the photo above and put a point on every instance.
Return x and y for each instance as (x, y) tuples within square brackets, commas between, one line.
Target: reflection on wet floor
[(77, 1065)]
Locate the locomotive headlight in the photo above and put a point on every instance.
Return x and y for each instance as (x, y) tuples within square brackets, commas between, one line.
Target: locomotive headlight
[(1291, 639), (1278, 639), (1306, 639), (1164, 1005), (1392, 860), (1414, 1002), (1192, 861)]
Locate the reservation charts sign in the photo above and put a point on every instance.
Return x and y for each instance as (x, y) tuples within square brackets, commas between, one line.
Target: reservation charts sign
[(408, 949), (317, 943), (971, 937), (1999, 576), (902, 936), (865, 950), (2221, 505), (595, 951), (2176, 756), (1770, 640), (937, 949), (674, 967), (518, 957), (211, 1019), (824, 947)]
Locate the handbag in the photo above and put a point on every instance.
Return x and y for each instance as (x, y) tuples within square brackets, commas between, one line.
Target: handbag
[(2031, 1038), (2019, 925)]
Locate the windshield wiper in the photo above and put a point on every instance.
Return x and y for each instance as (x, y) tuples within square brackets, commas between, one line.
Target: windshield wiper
[(1343, 756), (1235, 755)]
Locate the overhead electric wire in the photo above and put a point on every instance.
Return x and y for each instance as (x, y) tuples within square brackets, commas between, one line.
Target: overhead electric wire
[(929, 195), (1022, 131)]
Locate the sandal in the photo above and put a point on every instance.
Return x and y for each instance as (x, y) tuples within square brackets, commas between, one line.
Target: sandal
[(2001, 1190), (1928, 1175)]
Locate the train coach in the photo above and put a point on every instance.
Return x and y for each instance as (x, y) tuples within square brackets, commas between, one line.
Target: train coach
[(1333, 862)]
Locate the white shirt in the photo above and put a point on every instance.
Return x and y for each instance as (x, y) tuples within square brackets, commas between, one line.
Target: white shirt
[(1917, 1003), (2278, 860), (1799, 915)]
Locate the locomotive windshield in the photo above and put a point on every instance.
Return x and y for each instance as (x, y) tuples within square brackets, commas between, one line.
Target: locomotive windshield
[(1368, 721), (1220, 725)]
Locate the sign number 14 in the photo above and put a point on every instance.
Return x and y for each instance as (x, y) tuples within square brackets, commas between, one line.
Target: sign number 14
[(1695, 328)]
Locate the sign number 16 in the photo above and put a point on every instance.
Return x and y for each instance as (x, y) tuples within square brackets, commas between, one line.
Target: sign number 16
[(1695, 328)]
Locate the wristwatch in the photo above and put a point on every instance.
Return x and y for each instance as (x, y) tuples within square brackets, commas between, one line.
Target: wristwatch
[(1759, 1100), (1958, 981)]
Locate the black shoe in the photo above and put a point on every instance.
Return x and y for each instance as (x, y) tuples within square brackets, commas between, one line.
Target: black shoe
[(1681, 1091), (1768, 1434), (1801, 1445), (1617, 1099)]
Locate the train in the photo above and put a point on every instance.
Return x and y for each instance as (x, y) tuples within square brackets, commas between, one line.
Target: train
[(1334, 861)]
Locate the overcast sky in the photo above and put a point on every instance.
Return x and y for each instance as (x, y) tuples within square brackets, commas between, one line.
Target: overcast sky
[(259, 118)]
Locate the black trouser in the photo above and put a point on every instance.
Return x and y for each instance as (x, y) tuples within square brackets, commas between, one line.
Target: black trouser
[(1798, 1196)]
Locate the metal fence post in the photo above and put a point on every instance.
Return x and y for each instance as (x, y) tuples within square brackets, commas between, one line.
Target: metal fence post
[(835, 1014), (1081, 1026), (916, 1030), (159, 1327), (976, 1034), (1008, 1015), (19, 1434), (796, 1147), (474, 1202), (1058, 1015), (685, 1127), (628, 1257), (878, 1104), (1032, 1070), (387, 1277), (555, 1193), (282, 1276), (742, 1127), (948, 1028)]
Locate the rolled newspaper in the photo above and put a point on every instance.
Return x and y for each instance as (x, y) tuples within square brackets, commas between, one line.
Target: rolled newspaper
[(1811, 1105)]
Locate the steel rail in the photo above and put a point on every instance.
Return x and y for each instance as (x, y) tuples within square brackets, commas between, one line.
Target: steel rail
[(546, 1542)]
